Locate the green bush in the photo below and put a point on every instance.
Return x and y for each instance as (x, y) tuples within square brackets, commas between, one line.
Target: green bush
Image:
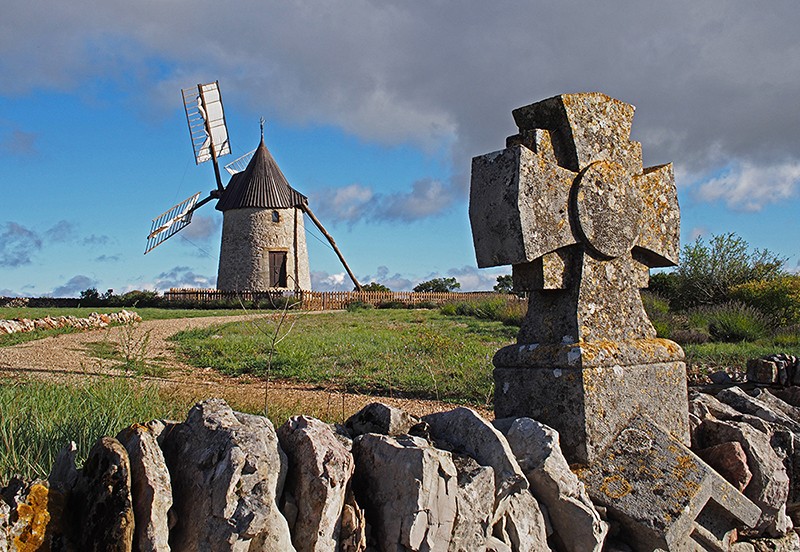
[(355, 306), (777, 299), (657, 309), (708, 272), (509, 312), (733, 322)]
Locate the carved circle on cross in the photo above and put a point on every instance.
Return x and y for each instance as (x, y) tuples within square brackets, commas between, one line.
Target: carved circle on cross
[(608, 208)]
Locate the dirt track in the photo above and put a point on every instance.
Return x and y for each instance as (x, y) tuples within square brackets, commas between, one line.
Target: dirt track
[(66, 358)]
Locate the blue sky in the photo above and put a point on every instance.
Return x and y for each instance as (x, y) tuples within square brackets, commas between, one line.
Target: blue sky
[(374, 111)]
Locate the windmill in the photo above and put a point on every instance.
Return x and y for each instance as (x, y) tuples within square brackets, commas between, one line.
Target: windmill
[(263, 233)]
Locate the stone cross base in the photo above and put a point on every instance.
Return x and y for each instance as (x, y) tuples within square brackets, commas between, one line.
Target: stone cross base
[(588, 394)]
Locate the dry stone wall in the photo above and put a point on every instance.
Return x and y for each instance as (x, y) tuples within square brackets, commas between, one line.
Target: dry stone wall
[(93, 321), (385, 480)]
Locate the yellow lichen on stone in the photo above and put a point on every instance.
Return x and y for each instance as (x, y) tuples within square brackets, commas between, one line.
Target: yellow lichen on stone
[(615, 487), (33, 518)]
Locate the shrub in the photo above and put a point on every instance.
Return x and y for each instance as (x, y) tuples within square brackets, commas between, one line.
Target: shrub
[(374, 286), (734, 322), (690, 337), (355, 306), (708, 272), (778, 299)]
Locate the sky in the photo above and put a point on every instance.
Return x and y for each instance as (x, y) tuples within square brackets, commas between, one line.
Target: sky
[(373, 110)]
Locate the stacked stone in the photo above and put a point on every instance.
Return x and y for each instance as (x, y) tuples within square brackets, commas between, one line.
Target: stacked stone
[(753, 440), (223, 480), (14, 302), (781, 369), (91, 322)]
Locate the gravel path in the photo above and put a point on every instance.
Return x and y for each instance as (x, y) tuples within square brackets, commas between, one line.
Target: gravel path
[(66, 358)]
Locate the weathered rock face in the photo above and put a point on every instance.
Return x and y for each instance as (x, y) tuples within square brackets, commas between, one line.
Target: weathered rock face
[(318, 479), (730, 460), (769, 486), (474, 505), (380, 418), (521, 526), (411, 508), (463, 430), (575, 520), (102, 499), (151, 488), (227, 476)]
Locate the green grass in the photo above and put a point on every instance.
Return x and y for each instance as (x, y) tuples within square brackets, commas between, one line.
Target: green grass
[(412, 353), (37, 419), (9, 313), (704, 358)]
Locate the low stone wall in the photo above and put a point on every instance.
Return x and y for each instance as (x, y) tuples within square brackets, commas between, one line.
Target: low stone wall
[(451, 481), (93, 321)]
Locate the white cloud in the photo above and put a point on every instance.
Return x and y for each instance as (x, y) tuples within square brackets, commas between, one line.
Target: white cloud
[(322, 281), (713, 81), (356, 202), (749, 187)]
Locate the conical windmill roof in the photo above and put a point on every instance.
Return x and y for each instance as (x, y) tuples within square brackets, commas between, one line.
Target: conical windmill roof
[(261, 184)]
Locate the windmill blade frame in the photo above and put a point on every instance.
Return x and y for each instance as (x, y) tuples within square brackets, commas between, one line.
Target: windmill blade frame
[(172, 221), (205, 115)]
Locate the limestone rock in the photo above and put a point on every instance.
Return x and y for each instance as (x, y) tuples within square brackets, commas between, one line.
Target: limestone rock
[(63, 474), (465, 431), (151, 488), (408, 489), (29, 515), (777, 404), (576, 522), (353, 536), (5, 512), (730, 461), (227, 473), (475, 505), (522, 525), (102, 498), (743, 402), (704, 405), (380, 418), (769, 486), (318, 477), (789, 543)]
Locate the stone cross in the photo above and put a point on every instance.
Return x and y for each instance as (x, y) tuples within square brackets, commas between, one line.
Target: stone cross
[(568, 204)]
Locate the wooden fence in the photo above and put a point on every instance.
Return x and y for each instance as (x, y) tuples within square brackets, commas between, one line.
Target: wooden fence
[(327, 300)]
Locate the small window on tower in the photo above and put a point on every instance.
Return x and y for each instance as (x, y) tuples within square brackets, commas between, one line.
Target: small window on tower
[(276, 217)]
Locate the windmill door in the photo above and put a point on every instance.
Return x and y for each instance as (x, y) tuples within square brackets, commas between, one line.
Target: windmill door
[(277, 269)]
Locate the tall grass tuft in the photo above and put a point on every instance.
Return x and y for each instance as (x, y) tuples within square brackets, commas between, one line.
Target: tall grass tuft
[(38, 418)]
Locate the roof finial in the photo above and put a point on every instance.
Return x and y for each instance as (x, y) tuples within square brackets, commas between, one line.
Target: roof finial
[(261, 120)]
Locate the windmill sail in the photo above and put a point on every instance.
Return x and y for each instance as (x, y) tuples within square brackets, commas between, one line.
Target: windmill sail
[(206, 118), (171, 221), (240, 164)]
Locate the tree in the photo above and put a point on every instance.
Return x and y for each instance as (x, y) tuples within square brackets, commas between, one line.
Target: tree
[(441, 285), (91, 294), (505, 284), (708, 272), (374, 286)]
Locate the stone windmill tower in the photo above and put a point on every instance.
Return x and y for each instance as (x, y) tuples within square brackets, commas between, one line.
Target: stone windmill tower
[(263, 230), (263, 235)]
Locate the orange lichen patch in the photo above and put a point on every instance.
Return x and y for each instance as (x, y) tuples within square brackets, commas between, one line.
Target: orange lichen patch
[(33, 518), (615, 487)]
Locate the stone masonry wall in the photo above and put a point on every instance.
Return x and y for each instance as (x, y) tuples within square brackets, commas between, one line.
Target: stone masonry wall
[(247, 237)]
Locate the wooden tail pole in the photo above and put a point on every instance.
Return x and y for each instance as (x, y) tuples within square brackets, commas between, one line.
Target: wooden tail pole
[(318, 224)]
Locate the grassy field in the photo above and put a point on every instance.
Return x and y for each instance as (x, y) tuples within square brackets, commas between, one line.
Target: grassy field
[(9, 313), (37, 419), (415, 353)]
